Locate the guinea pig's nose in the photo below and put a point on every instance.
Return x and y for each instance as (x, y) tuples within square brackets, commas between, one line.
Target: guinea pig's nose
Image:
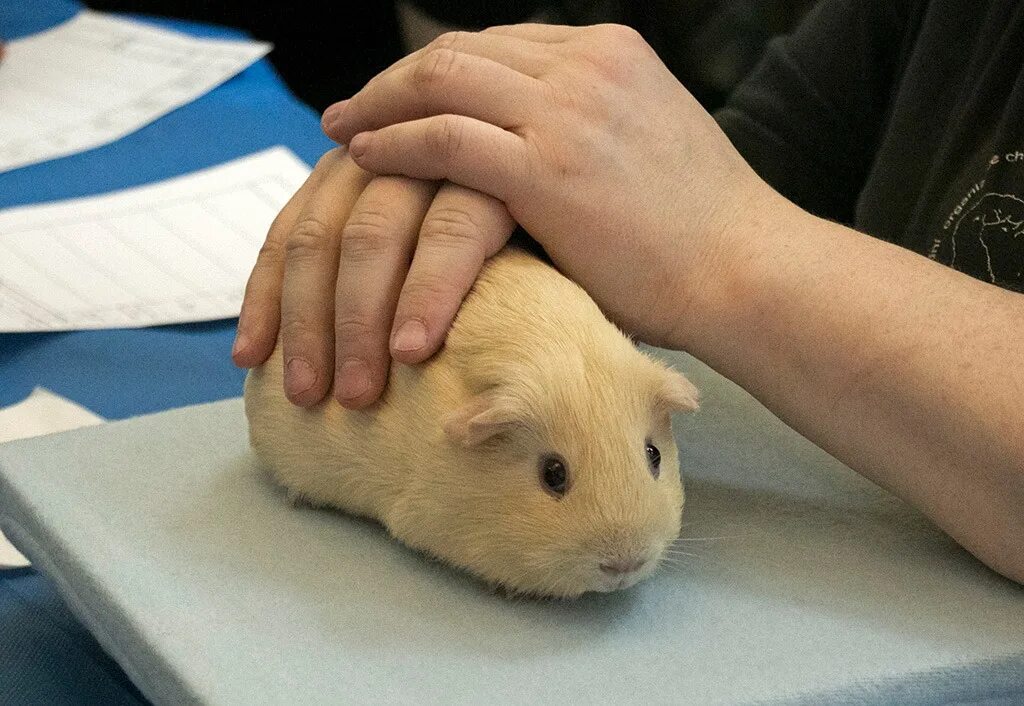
[(616, 567)]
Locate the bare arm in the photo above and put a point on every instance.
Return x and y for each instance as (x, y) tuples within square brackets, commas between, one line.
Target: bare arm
[(909, 372)]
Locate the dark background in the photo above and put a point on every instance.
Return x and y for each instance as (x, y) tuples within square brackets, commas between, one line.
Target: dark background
[(327, 51)]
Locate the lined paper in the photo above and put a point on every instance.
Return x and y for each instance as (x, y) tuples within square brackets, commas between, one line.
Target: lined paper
[(96, 78), (42, 412), (172, 252)]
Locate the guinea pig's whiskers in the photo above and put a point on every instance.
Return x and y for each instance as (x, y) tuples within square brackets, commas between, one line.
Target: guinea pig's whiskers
[(673, 559), (677, 556), (674, 564), (681, 553)]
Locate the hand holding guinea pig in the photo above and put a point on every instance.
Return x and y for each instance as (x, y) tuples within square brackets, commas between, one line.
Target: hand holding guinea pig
[(593, 145), (534, 450)]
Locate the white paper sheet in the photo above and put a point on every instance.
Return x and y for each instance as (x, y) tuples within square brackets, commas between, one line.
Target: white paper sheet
[(42, 412), (176, 251), (97, 78)]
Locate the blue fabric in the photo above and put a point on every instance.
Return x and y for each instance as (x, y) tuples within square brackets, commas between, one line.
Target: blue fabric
[(118, 374), (46, 657), (19, 18)]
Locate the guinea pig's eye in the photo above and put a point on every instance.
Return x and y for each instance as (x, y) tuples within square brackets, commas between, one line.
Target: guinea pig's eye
[(554, 476), (653, 458)]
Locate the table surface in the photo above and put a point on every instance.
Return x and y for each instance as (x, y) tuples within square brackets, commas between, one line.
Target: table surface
[(46, 656)]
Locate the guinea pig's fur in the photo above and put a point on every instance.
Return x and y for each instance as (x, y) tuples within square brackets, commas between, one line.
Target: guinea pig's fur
[(450, 459)]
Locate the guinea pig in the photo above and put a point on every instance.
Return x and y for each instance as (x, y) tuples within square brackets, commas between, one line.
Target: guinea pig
[(534, 450)]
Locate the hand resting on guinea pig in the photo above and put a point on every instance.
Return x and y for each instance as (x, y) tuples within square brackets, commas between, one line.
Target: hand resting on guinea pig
[(534, 450)]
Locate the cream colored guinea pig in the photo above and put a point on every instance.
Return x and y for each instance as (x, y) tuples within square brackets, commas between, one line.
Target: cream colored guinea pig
[(534, 450)]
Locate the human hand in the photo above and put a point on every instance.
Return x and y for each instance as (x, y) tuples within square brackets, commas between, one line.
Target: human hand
[(596, 149), (348, 255)]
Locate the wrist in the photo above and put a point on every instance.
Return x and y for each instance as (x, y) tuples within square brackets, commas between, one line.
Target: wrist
[(719, 284)]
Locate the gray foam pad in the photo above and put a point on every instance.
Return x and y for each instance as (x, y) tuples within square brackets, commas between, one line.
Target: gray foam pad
[(196, 574)]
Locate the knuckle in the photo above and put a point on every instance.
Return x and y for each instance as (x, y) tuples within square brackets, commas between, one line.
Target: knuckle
[(426, 291), (308, 239), (450, 226), (351, 331), (444, 136), (366, 235), (448, 40), (298, 333), (619, 34), (435, 67), (613, 52)]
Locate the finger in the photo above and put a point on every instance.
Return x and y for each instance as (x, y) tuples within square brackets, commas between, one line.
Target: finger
[(453, 147), (535, 32), (307, 299), (529, 58), (260, 315), (462, 228), (441, 81), (376, 246)]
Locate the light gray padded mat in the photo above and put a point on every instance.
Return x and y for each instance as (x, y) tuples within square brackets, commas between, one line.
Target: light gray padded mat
[(207, 587)]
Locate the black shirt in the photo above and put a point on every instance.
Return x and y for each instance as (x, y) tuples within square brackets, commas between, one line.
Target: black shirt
[(902, 118)]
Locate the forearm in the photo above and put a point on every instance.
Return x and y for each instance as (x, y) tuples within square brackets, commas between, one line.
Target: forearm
[(909, 372)]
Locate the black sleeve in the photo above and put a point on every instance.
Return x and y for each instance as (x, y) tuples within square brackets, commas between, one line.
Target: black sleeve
[(808, 118)]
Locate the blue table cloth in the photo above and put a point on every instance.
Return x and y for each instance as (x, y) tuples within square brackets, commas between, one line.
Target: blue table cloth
[(46, 656)]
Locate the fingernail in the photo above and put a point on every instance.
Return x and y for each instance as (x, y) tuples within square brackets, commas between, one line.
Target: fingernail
[(241, 343), (332, 116), (299, 376), (411, 336), (353, 379), (358, 144)]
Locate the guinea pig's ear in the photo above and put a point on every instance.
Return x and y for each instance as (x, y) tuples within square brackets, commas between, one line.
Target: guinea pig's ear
[(677, 393), (481, 418)]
